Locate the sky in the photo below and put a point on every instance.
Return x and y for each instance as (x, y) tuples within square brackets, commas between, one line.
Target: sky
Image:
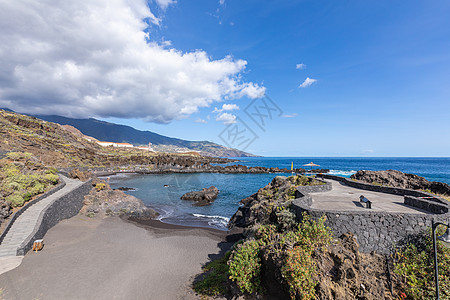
[(274, 78)]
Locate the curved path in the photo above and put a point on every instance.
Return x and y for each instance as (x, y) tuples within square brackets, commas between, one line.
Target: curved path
[(24, 225)]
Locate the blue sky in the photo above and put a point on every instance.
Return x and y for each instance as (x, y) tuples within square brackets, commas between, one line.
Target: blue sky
[(379, 75)]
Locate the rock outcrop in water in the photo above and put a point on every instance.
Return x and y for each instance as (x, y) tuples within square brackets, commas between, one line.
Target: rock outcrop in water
[(204, 197), (105, 201), (402, 180)]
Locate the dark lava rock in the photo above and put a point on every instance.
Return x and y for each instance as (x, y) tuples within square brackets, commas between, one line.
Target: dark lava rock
[(105, 201), (125, 189), (5, 210), (203, 197), (401, 180)]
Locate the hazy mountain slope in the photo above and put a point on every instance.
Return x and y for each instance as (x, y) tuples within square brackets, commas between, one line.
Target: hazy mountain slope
[(105, 131), (56, 145)]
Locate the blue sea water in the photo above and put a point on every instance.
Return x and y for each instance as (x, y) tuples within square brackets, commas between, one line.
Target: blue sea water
[(234, 187)]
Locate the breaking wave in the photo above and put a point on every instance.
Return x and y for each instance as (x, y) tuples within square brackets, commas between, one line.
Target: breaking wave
[(217, 221), (342, 173)]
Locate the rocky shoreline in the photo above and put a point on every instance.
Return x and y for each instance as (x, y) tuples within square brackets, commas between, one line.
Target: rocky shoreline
[(399, 179)]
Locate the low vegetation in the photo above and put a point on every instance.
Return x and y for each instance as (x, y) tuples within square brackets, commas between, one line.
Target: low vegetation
[(23, 177), (215, 281), (284, 258), (291, 251), (414, 264)]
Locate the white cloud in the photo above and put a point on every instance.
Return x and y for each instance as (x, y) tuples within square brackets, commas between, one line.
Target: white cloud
[(226, 118), (368, 151), (221, 2), (308, 81), (200, 120), (91, 58), (300, 66), (226, 107), (289, 116), (165, 3)]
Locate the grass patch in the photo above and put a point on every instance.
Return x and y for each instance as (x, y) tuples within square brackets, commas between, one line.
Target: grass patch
[(214, 282)]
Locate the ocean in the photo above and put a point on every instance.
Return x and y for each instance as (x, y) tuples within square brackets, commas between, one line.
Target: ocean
[(162, 192)]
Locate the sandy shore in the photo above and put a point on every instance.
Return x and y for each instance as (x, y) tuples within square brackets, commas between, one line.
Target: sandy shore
[(111, 258)]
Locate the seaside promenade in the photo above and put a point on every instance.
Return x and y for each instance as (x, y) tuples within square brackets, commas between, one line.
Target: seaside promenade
[(25, 224), (343, 197)]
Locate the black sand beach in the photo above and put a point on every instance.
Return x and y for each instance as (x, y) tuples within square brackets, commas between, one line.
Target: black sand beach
[(111, 258)]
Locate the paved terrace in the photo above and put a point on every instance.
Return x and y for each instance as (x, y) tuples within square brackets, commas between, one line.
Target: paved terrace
[(343, 197)]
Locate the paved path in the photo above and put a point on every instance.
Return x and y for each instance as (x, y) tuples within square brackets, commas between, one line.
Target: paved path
[(343, 197), (25, 224)]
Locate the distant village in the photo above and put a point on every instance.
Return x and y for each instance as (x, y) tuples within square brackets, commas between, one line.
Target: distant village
[(125, 145)]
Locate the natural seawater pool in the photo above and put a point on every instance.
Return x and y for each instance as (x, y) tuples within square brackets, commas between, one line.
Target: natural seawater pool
[(166, 200), (234, 187)]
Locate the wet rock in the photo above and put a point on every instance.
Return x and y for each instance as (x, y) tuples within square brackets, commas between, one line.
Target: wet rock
[(203, 197)]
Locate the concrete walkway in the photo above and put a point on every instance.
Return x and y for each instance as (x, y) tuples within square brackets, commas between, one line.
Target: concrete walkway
[(343, 197), (24, 225)]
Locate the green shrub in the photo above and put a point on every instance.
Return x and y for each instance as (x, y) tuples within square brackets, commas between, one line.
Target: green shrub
[(38, 188), (286, 219), (51, 170), (52, 178), (245, 266), (27, 196), (415, 266), (14, 186), (16, 200), (313, 233), (299, 270), (215, 281)]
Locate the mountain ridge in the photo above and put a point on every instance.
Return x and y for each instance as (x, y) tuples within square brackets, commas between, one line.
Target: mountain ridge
[(111, 132)]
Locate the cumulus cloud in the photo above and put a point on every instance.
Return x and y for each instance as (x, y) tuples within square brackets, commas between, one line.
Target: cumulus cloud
[(226, 107), (226, 118), (165, 3), (92, 58), (308, 81), (300, 66)]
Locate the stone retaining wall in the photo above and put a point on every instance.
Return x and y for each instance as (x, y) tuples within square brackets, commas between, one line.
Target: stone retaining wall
[(426, 204), (62, 208), (315, 188), (375, 231)]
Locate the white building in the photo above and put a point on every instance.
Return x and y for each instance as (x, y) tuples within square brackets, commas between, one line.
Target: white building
[(106, 144), (124, 145), (120, 145)]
